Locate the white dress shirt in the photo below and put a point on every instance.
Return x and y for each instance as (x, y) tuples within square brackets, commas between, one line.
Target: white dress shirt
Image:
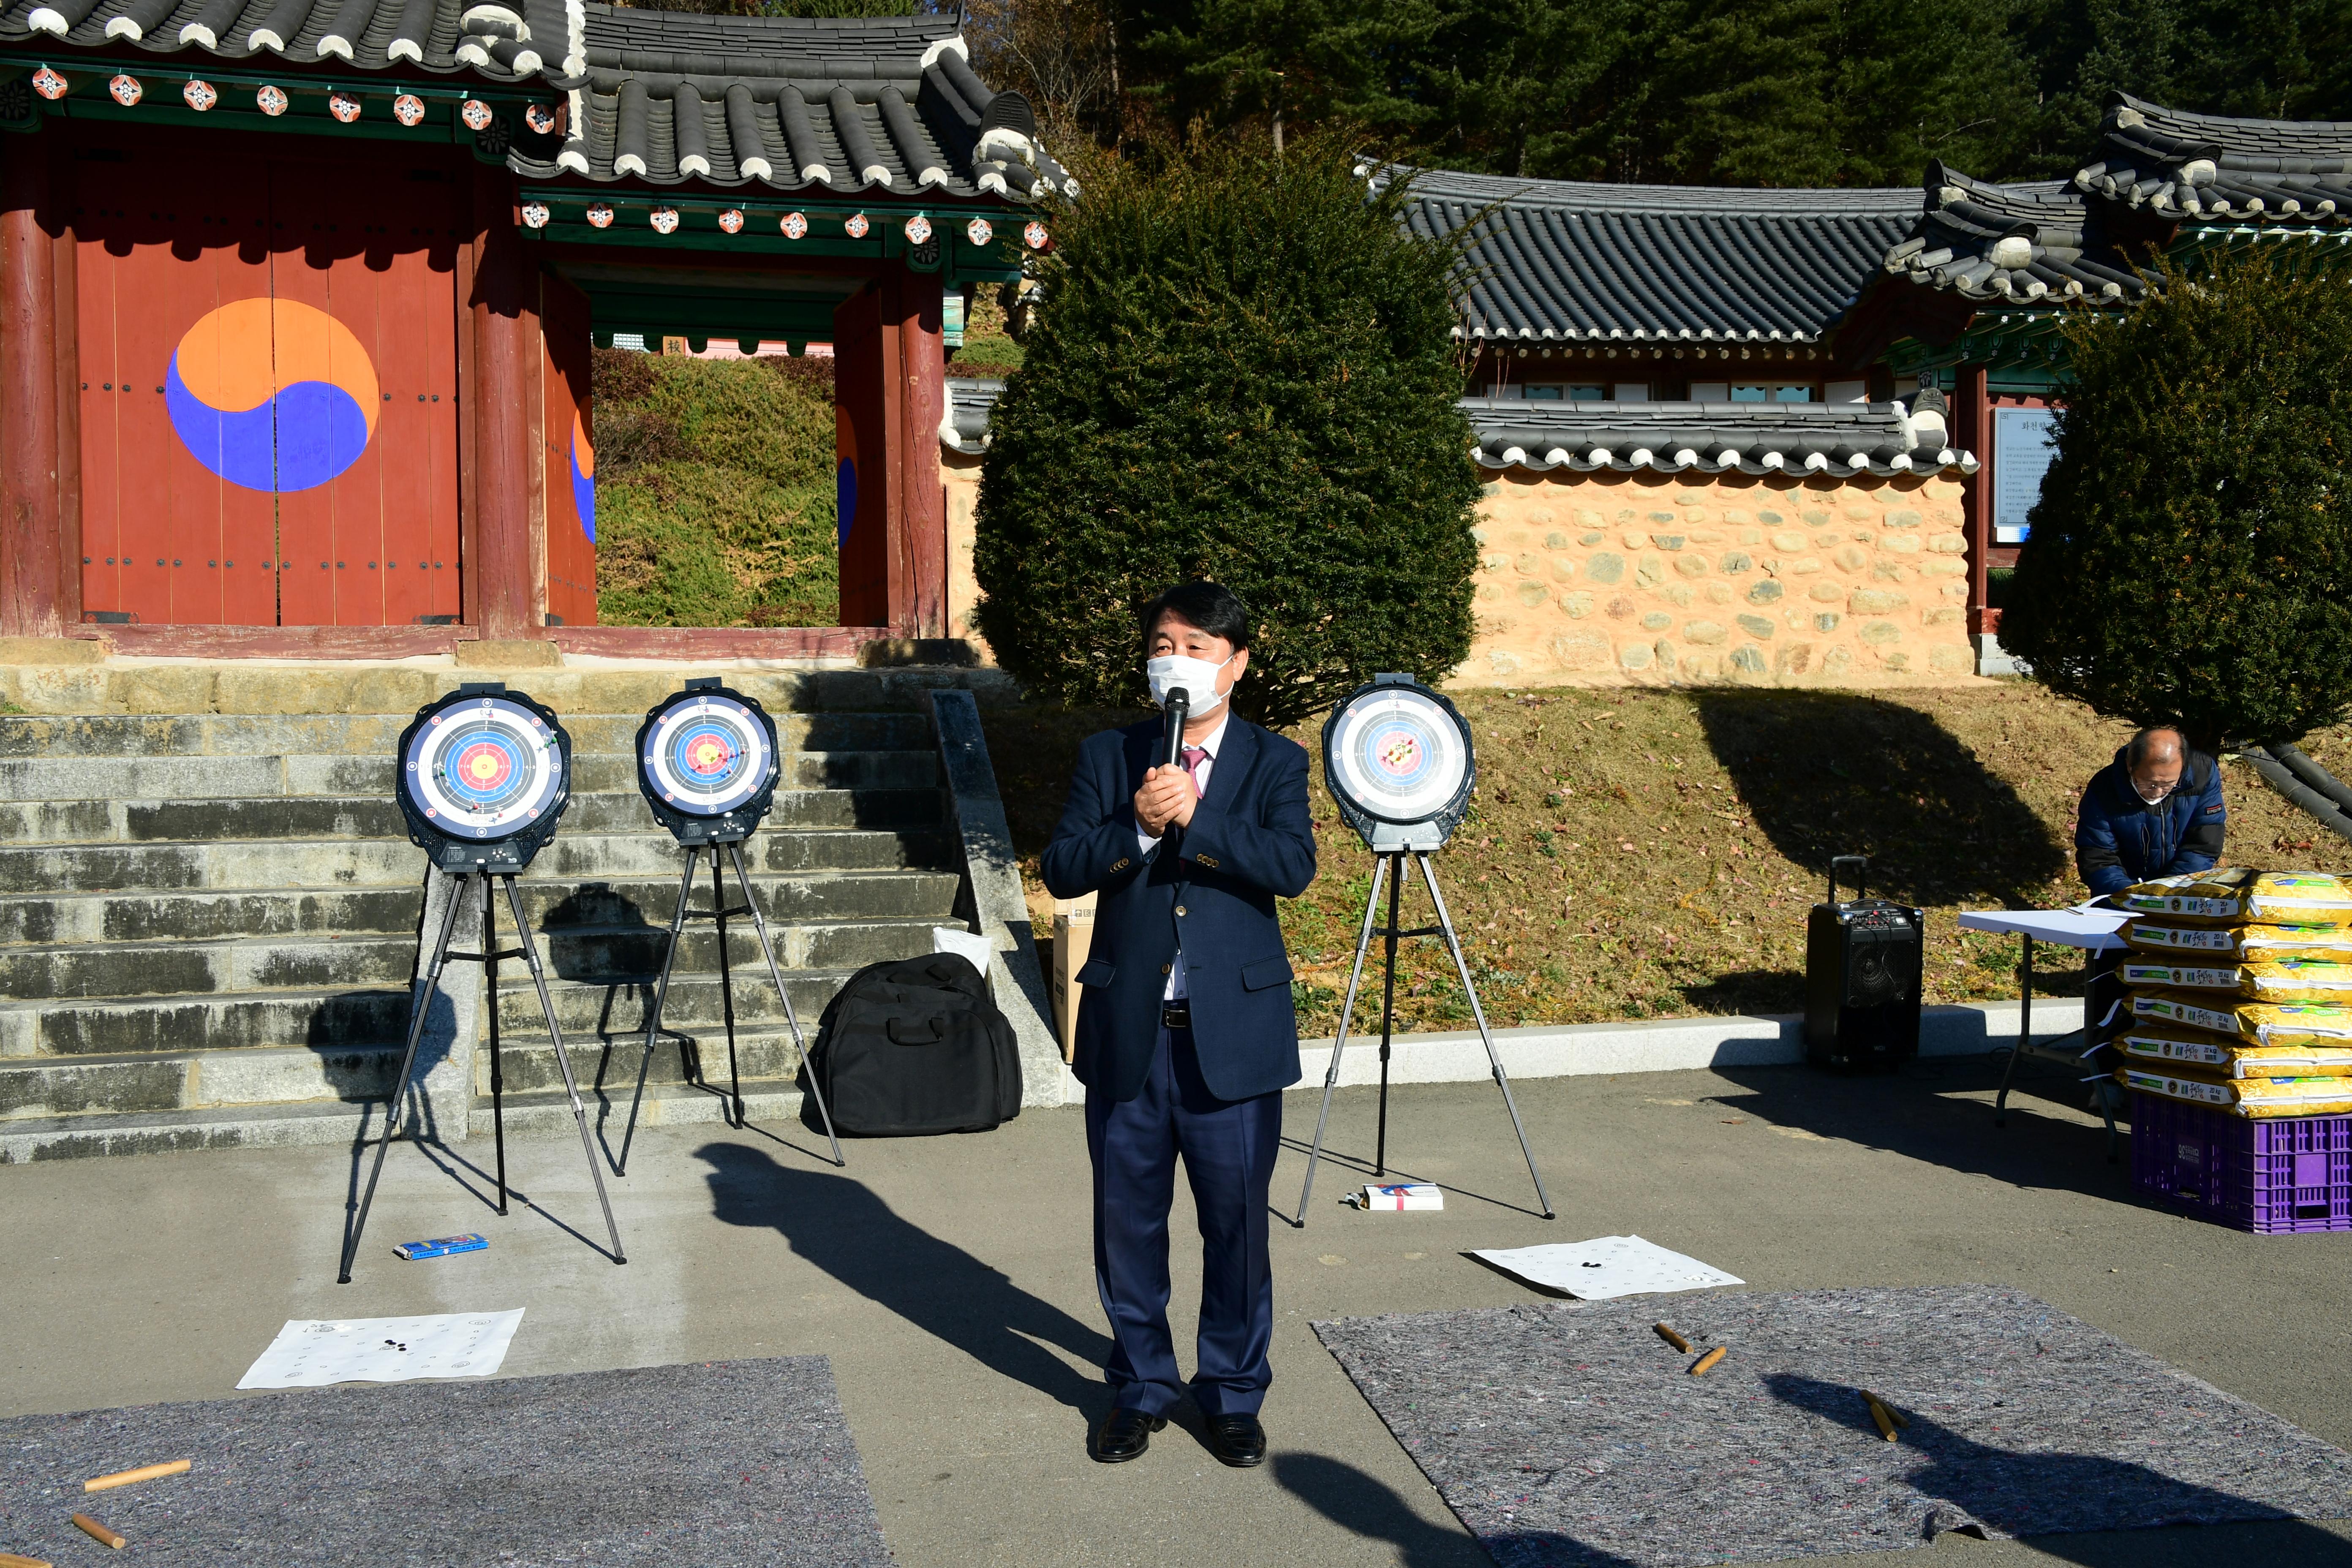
[(1146, 842)]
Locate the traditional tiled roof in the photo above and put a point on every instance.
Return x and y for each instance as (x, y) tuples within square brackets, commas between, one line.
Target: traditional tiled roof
[(1567, 261), (2183, 167), (2009, 242), (849, 104), (1832, 439)]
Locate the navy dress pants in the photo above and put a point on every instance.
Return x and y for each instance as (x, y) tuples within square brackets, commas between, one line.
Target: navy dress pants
[(1229, 1148)]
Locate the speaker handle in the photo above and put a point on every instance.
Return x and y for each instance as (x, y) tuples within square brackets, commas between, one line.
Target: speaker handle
[(1838, 861)]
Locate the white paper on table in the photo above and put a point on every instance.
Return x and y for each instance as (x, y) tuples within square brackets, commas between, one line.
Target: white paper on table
[(1608, 1265), (312, 1352)]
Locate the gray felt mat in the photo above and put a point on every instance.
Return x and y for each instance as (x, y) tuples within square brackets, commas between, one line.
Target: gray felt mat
[(1570, 1433), (735, 1463)]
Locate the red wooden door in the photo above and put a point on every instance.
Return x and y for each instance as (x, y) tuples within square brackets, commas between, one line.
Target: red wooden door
[(570, 457)]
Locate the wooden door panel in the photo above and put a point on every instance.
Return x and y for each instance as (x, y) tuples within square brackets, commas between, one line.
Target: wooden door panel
[(101, 502)]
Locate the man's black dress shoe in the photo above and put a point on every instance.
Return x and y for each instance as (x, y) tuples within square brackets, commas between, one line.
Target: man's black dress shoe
[(1126, 1433), (1237, 1440)]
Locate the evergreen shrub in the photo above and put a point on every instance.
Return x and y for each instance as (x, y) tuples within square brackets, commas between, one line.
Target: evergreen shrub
[(2190, 559), (1241, 369)]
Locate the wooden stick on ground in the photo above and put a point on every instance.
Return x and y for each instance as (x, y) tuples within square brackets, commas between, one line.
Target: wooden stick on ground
[(100, 1533), (1885, 1415), (10, 1560), (1707, 1361), (143, 1473), (1666, 1332)]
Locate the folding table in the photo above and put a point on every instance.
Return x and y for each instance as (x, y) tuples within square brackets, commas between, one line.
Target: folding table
[(2094, 930)]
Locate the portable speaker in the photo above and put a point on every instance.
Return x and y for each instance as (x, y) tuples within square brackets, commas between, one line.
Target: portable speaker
[(1861, 979)]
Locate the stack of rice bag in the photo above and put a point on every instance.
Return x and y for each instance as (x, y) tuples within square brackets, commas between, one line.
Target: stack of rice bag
[(2238, 991)]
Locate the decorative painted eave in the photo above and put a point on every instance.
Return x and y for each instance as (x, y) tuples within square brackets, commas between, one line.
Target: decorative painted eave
[(2183, 168), (1570, 263), (1797, 440)]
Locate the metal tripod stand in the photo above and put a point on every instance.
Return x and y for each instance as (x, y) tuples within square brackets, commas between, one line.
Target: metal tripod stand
[(1389, 867), (488, 959), (718, 914)]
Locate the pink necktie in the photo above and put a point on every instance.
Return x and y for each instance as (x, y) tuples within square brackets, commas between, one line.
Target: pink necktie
[(1193, 757)]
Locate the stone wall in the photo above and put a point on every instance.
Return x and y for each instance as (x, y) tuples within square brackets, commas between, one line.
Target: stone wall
[(1610, 579)]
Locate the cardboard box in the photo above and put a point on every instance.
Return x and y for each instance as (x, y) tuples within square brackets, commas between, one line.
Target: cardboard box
[(1074, 934)]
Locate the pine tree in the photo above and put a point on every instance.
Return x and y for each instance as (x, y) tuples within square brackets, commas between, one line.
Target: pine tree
[(1241, 369)]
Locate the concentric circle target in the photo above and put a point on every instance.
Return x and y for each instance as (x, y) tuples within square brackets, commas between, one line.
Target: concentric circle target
[(1399, 755), (707, 754), (482, 768)]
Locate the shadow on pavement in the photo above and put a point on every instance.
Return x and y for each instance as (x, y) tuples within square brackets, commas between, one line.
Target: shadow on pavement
[(1363, 1503), (1920, 1112), (843, 1228)]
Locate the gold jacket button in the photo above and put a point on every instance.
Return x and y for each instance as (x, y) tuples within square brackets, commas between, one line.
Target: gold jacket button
[(1180, 909), (1166, 968)]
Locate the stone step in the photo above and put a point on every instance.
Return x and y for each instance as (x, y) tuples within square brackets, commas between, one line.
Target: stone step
[(376, 816), (374, 862), (129, 735), (592, 1011), (262, 775), (609, 1065), (330, 1122), (200, 915), (337, 961), (546, 1115)]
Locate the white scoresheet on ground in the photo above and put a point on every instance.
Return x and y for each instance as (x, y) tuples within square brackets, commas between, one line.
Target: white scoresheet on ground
[(1608, 1265), (312, 1352)]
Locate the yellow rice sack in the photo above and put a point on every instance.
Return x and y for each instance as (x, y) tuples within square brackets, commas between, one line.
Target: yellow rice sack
[(2283, 980), (2241, 944), (2251, 1023), (2218, 1056), (2251, 1097), (2235, 895)]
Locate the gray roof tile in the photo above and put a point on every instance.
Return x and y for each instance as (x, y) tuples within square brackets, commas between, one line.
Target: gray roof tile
[(2187, 167)]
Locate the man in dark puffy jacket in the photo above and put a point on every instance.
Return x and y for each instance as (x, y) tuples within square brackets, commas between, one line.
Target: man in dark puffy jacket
[(2155, 811)]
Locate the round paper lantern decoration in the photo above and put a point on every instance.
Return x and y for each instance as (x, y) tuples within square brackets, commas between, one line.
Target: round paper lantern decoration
[(731, 221), (707, 762), (126, 90), (48, 84), (200, 96), (343, 107), (599, 217), (979, 231), (408, 109), (534, 215), (540, 117), (1034, 236), (483, 777), (918, 229), (270, 100), (475, 114), (1397, 761), (857, 225), (665, 220), (795, 225)]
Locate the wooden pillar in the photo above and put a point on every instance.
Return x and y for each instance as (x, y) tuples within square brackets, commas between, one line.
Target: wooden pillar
[(1972, 432), (504, 591), (40, 576), (923, 507)]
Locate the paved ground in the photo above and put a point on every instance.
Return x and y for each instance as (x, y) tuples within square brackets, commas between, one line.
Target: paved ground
[(948, 1280)]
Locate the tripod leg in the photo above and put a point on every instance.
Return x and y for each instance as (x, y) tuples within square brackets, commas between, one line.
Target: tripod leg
[(1494, 1059), (767, 951), (563, 1060), (1388, 1021), (497, 1065), (1340, 1046), (661, 994), (2025, 1034), (726, 982), (420, 1007)]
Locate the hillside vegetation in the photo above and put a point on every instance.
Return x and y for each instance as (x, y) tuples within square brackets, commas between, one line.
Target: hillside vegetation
[(1652, 854), (715, 491)]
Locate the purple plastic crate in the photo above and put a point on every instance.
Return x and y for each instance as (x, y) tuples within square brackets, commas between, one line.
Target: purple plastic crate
[(2274, 1176)]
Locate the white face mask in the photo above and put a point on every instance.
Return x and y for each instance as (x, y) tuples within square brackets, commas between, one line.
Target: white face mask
[(1196, 677)]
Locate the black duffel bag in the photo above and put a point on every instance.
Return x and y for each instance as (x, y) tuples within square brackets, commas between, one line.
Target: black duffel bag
[(914, 1045)]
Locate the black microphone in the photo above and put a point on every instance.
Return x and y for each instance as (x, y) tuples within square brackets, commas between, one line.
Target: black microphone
[(1171, 746)]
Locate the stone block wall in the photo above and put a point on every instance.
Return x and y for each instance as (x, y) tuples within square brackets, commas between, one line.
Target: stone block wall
[(1605, 578), (1600, 579)]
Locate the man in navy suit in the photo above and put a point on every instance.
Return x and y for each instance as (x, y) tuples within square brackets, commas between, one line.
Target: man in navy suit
[(1186, 1036)]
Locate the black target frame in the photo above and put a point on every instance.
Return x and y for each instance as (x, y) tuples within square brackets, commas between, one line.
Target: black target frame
[(686, 825), (1383, 832), (504, 853)]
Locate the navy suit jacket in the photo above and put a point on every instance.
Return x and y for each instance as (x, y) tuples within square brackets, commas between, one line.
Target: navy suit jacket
[(1213, 884)]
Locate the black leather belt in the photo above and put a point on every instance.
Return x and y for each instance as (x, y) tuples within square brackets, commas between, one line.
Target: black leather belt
[(1176, 1015)]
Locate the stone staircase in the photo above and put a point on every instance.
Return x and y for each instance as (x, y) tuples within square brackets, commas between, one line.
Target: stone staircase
[(208, 920)]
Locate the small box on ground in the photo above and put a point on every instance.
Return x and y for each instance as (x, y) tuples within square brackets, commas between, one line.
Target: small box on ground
[(2272, 1177)]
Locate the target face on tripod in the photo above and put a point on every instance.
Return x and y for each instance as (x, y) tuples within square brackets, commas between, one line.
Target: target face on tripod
[(707, 762), (1397, 761), (484, 767)]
